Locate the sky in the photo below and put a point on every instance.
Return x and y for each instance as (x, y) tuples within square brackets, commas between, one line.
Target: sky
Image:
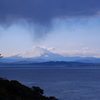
[(66, 27)]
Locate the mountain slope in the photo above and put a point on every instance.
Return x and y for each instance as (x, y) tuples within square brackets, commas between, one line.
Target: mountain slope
[(41, 54)]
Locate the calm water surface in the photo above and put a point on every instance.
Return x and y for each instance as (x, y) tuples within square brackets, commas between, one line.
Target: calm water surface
[(65, 83)]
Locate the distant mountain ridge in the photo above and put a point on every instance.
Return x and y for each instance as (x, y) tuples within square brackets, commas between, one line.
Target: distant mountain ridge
[(42, 58), (40, 54)]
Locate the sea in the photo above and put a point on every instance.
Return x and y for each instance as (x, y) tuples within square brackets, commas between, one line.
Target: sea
[(63, 82)]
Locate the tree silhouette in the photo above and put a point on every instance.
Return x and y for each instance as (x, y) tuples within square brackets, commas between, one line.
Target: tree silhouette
[(13, 90), (1, 56)]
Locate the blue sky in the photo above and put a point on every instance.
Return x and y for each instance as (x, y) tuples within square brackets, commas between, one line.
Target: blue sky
[(70, 29)]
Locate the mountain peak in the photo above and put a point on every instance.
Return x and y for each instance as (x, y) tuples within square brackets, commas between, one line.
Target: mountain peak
[(36, 51)]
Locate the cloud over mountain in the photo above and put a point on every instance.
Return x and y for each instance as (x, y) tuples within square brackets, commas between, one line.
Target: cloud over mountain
[(46, 52), (35, 51), (38, 14), (42, 52)]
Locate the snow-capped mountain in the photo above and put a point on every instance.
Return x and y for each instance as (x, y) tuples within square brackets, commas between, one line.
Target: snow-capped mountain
[(42, 54), (36, 51), (36, 54), (39, 52)]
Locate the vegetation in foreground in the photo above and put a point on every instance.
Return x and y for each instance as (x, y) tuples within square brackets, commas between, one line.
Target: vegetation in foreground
[(13, 90)]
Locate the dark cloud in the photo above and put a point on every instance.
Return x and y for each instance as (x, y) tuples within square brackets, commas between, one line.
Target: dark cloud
[(42, 11)]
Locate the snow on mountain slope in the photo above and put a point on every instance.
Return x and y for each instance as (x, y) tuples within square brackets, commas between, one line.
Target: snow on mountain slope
[(36, 51), (42, 54), (35, 54)]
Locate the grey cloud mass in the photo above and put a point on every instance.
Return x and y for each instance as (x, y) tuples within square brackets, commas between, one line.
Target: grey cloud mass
[(43, 11)]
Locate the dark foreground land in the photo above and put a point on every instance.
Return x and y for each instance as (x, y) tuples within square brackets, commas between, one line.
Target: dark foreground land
[(13, 90)]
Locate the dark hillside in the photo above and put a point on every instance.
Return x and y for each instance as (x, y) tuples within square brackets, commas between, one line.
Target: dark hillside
[(13, 90)]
